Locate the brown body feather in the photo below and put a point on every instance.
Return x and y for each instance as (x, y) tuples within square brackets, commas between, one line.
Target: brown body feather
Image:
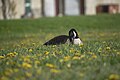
[(62, 39)]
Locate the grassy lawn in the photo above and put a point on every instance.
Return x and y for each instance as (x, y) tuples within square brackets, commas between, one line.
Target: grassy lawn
[(23, 57)]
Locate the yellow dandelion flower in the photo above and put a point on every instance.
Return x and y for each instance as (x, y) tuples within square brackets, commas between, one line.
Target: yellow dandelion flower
[(10, 54), (26, 59), (30, 50), (22, 43), (61, 60), (2, 57), (90, 59), (107, 48), (104, 42), (94, 56), (82, 56), (100, 50), (18, 45), (33, 44), (69, 65), (46, 53), (26, 65), (102, 34), (76, 58), (54, 46), (4, 78), (77, 54), (54, 71), (15, 53), (38, 71), (38, 54), (28, 74), (81, 74), (50, 65), (8, 72), (72, 50), (37, 62), (114, 50), (15, 70), (81, 45), (90, 53), (118, 53), (114, 77), (67, 58)]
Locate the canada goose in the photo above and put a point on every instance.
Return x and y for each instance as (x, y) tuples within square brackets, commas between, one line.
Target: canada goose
[(73, 38)]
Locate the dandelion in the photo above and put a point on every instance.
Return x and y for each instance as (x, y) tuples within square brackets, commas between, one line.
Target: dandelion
[(54, 54), (69, 65), (61, 60), (2, 57), (102, 34), (54, 46), (15, 70), (81, 74), (82, 56), (33, 44), (36, 64), (114, 50), (11, 54), (118, 53), (28, 74), (81, 45), (72, 50), (77, 54), (46, 53), (30, 50), (4, 78), (8, 72), (114, 77), (104, 42), (55, 71), (91, 53), (107, 48), (100, 50), (38, 71), (15, 53), (26, 65), (67, 58), (22, 43), (50, 65), (76, 58), (26, 59), (18, 45), (114, 34), (94, 56)]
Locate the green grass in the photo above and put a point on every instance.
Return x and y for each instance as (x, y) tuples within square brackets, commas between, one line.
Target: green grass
[(23, 57)]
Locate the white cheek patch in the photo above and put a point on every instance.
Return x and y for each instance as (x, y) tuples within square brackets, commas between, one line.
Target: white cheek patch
[(74, 34), (77, 41)]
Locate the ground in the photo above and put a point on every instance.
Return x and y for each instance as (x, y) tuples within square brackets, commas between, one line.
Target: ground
[(23, 57)]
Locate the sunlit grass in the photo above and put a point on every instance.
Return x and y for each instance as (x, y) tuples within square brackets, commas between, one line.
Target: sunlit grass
[(23, 57)]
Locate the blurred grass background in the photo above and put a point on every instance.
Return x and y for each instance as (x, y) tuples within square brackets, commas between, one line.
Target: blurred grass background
[(100, 27), (23, 57)]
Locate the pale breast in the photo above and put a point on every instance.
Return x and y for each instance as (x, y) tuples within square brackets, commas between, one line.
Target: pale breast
[(77, 41)]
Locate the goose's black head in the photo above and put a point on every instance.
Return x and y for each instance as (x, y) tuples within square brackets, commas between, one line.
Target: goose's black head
[(73, 35)]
